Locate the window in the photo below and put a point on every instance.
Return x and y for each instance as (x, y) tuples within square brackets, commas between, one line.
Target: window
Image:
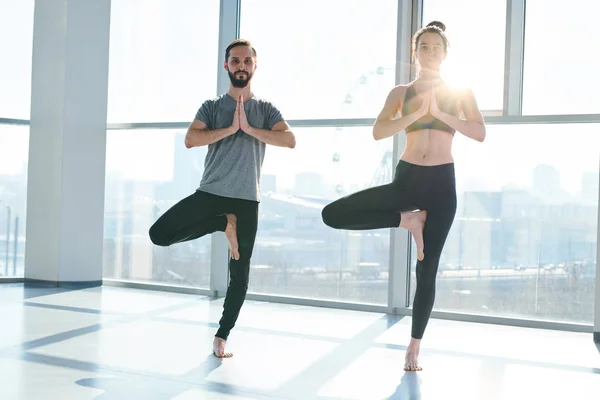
[(141, 186), (337, 62), (561, 58), (14, 148), (523, 243), (16, 44), (163, 59), (295, 253), (476, 54)]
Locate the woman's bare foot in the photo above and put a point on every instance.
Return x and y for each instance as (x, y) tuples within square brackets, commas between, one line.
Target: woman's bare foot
[(411, 362), (231, 234), (415, 222), (219, 348)]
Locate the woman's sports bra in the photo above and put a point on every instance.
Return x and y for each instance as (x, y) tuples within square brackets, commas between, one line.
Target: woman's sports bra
[(447, 102)]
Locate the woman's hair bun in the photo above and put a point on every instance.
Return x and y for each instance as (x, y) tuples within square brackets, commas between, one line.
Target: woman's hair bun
[(438, 24)]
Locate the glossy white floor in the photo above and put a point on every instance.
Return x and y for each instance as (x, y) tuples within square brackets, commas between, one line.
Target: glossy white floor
[(114, 343)]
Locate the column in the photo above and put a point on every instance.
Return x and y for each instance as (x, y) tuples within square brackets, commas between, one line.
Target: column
[(67, 147)]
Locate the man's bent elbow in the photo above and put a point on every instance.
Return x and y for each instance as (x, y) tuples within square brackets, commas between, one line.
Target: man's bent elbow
[(190, 142)]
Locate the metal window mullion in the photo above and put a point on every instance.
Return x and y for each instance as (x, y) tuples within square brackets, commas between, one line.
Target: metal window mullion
[(12, 121), (409, 20), (596, 336), (229, 29), (514, 57), (358, 122)]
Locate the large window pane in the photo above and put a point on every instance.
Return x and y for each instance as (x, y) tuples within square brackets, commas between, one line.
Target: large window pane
[(561, 57), (476, 54), (14, 153), (140, 186), (16, 41), (323, 59), (163, 59), (523, 243), (295, 253)]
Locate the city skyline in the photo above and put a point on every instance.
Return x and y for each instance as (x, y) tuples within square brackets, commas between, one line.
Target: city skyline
[(286, 163)]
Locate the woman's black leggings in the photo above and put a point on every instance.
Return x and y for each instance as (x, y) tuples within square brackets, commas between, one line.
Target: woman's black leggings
[(415, 187)]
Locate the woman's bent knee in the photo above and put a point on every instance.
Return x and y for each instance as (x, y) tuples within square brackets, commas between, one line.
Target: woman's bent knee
[(329, 217), (157, 237)]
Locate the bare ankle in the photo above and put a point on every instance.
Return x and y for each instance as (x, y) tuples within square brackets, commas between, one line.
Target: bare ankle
[(231, 219)]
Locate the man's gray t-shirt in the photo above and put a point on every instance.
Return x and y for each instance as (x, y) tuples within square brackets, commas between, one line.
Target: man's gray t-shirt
[(233, 165)]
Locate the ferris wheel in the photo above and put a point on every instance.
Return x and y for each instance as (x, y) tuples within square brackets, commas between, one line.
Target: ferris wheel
[(365, 97)]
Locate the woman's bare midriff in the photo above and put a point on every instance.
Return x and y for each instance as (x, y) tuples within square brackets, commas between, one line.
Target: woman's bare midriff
[(428, 147)]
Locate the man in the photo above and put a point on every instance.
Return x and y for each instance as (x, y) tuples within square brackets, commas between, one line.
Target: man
[(236, 126)]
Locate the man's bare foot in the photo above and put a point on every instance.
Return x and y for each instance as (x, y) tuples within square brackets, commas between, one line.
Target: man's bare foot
[(231, 234), (411, 362), (414, 222), (219, 348)]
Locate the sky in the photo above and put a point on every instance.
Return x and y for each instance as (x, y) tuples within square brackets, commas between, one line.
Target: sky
[(338, 63)]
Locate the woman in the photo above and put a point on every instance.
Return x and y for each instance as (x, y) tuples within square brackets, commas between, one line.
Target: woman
[(422, 196)]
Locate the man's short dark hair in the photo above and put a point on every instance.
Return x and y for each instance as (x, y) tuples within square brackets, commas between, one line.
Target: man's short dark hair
[(236, 43)]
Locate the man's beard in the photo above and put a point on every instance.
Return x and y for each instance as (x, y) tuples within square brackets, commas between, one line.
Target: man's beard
[(239, 83)]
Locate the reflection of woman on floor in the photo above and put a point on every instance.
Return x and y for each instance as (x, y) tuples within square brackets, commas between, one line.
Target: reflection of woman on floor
[(422, 196)]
